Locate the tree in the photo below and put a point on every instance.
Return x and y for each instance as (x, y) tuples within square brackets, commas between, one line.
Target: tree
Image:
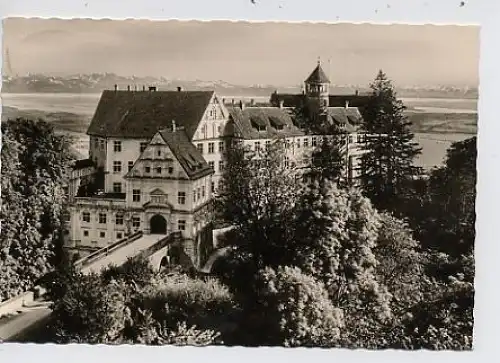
[(328, 160), (450, 226), (35, 166), (257, 198), (336, 233), (390, 149), (297, 310)]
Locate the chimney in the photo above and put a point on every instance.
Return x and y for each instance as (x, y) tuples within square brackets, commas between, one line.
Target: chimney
[(282, 102), (128, 88), (356, 93), (242, 105), (179, 89), (143, 87), (116, 87), (152, 88), (223, 101), (232, 102), (252, 102), (346, 104), (174, 126)]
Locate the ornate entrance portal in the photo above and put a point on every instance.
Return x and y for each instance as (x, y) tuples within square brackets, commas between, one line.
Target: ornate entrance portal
[(158, 225)]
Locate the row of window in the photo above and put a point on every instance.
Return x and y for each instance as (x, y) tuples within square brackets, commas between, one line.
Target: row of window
[(181, 196), (136, 223), (117, 168), (199, 194), (102, 218), (211, 147), (102, 234), (212, 165)]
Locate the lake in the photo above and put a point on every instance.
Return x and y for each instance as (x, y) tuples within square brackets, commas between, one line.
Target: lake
[(434, 145)]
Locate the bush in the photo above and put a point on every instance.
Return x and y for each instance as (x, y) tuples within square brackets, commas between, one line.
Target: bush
[(297, 310)]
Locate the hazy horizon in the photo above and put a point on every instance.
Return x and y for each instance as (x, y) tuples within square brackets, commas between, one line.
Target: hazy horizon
[(245, 53)]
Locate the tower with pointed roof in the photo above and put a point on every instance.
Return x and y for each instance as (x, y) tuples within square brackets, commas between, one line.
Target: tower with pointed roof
[(317, 91)]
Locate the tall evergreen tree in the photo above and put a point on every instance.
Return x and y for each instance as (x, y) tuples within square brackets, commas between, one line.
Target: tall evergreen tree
[(390, 149)]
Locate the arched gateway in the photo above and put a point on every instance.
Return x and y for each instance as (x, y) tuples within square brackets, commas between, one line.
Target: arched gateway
[(158, 225)]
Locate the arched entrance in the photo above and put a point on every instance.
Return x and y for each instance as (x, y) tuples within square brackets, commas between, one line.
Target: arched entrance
[(163, 264), (158, 225)]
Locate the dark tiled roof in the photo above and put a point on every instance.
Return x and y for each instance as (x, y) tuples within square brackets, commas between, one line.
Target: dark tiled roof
[(294, 100), (186, 153), (318, 76), (348, 118), (140, 114), (82, 164), (270, 117)]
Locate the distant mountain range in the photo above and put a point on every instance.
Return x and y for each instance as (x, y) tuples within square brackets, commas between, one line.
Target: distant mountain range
[(97, 82)]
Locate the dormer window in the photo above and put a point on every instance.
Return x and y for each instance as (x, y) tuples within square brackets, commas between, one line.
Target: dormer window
[(258, 123), (277, 122)]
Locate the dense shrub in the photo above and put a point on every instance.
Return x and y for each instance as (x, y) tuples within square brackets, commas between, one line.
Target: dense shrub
[(296, 310)]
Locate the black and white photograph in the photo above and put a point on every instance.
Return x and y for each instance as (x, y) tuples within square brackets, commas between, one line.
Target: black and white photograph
[(237, 183)]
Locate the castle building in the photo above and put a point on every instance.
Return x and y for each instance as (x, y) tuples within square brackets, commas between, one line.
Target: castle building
[(156, 158)]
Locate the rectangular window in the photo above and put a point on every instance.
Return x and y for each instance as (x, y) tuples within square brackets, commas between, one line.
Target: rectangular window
[(360, 138), (298, 143), (211, 164), (182, 225), (102, 234), (257, 145), (119, 219), (181, 198), (86, 217), (170, 169), (136, 195), (119, 235), (117, 187), (158, 170), (287, 162), (306, 142), (194, 196), (221, 146), (85, 233), (130, 165), (143, 146), (210, 147), (117, 146), (102, 218), (117, 166), (213, 187), (147, 169), (268, 145), (314, 141), (203, 191), (221, 165), (200, 148), (350, 139), (136, 222), (198, 193)]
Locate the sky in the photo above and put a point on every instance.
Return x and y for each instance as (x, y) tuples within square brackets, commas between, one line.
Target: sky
[(281, 54)]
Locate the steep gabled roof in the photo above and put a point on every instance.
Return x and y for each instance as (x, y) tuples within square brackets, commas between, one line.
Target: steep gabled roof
[(270, 117), (318, 76), (186, 154), (140, 114)]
